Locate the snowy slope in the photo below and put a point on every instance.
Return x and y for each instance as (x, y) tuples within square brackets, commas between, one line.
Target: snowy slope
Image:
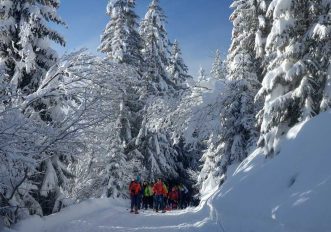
[(289, 193)]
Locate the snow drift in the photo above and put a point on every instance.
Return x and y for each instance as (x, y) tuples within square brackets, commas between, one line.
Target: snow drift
[(290, 192)]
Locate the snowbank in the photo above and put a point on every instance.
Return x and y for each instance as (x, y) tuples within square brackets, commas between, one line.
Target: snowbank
[(288, 193)]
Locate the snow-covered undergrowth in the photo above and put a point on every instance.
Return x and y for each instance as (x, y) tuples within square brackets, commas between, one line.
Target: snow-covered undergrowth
[(288, 193)]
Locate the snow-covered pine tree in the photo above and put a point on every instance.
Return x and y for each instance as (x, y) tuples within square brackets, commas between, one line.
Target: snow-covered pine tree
[(153, 141), (238, 122), (318, 38), (245, 24), (238, 131), (218, 70), (177, 69), (156, 48), (292, 86), (161, 156), (121, 40), (264, 27), (202, 76), (25, 52)]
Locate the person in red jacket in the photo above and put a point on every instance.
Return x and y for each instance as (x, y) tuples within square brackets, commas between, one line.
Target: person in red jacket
[(135, 189), (173, 197), (159, 191)]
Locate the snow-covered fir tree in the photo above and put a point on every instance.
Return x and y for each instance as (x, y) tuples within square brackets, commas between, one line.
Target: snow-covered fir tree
[(25, 51), (156, 48), (264, 27), (245, 24), (177, 69), (218, 70), (319, 39), (121, 40), (297, 67), (238, 131), (202, 75), (238, 122)]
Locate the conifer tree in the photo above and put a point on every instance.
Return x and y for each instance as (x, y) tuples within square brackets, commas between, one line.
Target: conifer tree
[(263, 28), (156, 48), (25, 53), (202, 76), (319, 38), (218, 69), (177, 69), (121, 40), (238, 131), (238, 114), (297, 67)]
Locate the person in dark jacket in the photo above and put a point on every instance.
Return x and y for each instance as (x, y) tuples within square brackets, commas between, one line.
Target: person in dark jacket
[(173, 198)]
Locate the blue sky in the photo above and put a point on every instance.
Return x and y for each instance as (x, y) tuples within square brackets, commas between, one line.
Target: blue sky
[(200, 26)]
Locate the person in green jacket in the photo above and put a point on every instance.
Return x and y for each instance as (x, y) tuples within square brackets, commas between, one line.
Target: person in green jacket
[(148, 194)]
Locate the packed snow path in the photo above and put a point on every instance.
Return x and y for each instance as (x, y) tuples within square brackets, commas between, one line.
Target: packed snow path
[(104, 215)]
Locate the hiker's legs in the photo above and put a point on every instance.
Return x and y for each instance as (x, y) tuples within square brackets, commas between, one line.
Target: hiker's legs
[(135, 202), (158, 203), (150, 202), (145, 202), (161, 203), (138, 201), (154, 202), (180, 200), (132, 203)]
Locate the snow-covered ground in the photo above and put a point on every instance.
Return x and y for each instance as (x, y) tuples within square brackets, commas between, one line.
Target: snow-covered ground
[(289, 193), (103, 215)]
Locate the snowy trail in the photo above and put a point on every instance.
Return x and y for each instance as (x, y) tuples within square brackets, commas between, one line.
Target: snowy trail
[(105, 215)]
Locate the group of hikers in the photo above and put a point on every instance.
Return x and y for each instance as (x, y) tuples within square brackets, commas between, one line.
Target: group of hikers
[(158, 196)]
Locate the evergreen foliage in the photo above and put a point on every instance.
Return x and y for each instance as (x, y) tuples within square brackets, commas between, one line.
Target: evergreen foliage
[(218, 70), (177, 69), (25, 54), (121, 40), (297, 68), (202, 76), (156, 48)]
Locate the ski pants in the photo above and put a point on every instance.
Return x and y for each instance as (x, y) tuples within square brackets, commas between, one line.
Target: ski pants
[(159, 202), (134, 201)]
